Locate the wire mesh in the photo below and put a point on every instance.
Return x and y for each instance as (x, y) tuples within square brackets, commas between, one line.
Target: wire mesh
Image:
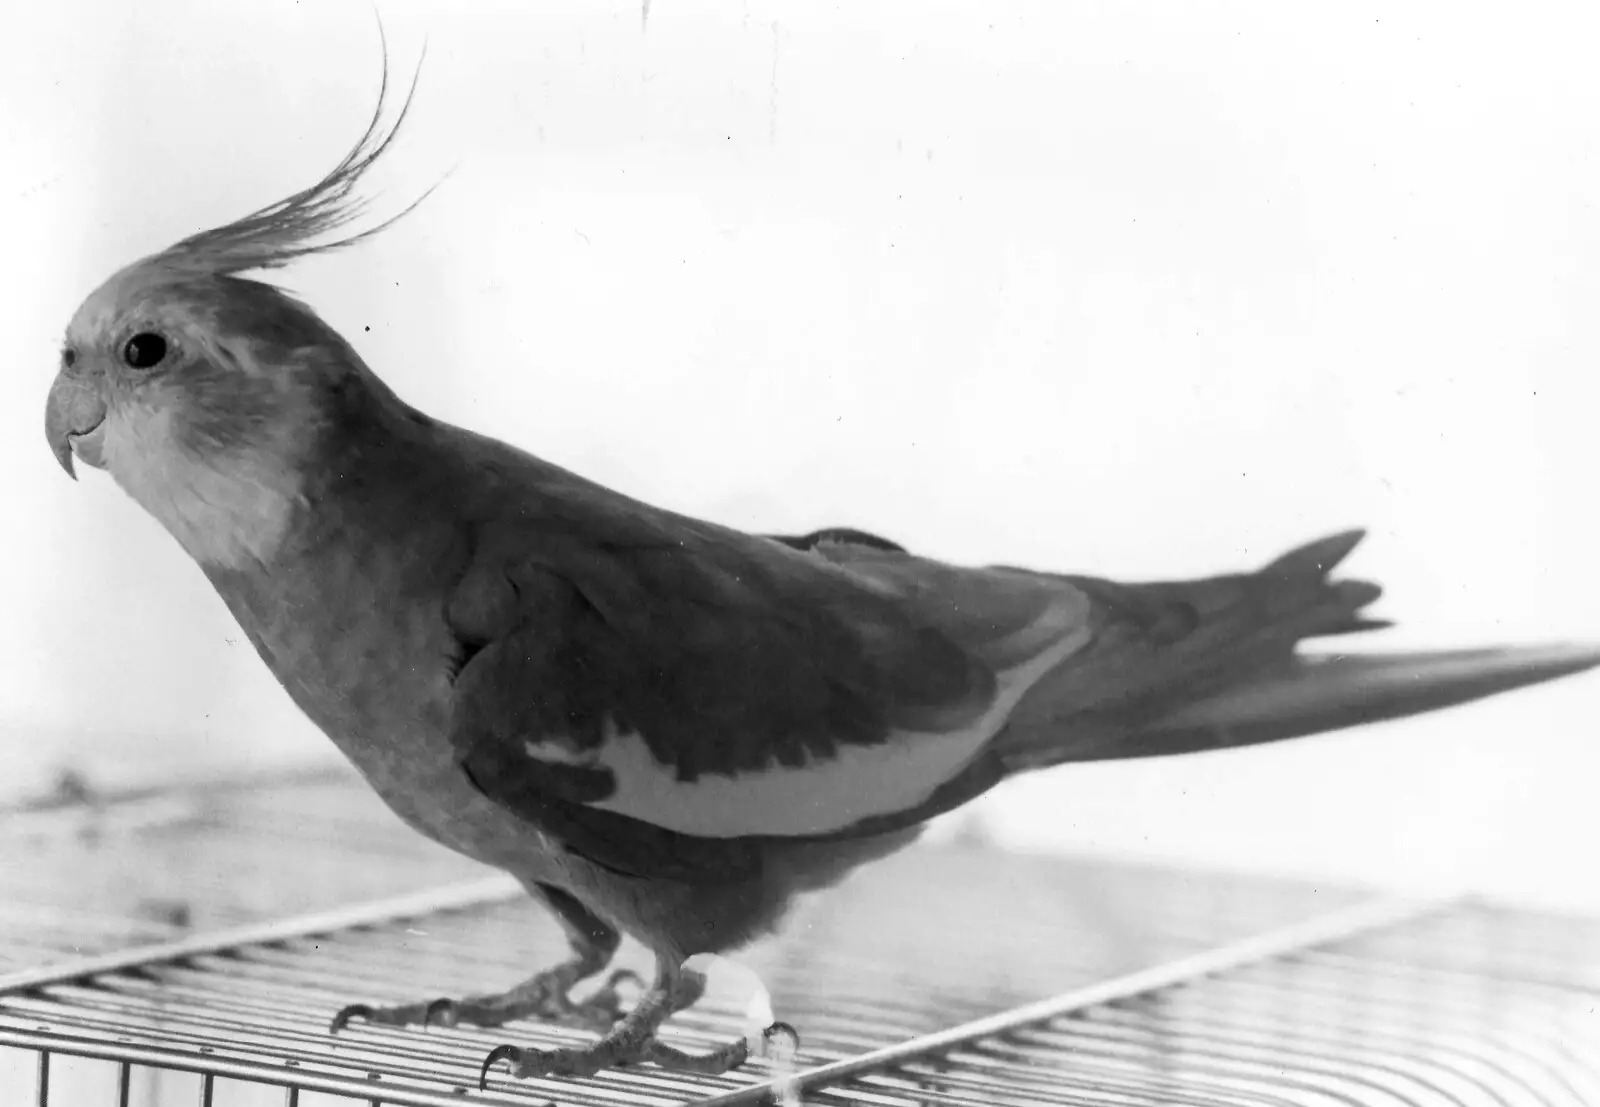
[(944, 976), (1461, 1004)]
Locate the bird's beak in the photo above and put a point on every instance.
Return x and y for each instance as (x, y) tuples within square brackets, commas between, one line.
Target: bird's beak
[(74, 417)]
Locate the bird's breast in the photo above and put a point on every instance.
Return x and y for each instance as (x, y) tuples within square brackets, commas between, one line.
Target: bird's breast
[(358, 640)]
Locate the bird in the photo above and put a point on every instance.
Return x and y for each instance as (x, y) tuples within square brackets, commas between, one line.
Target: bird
[(658, 725)]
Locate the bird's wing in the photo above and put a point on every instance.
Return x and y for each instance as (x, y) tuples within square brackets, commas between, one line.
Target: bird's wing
[(663, 698)]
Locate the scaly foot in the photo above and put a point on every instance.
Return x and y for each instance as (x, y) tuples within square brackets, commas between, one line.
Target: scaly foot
[(543, 996), (621, 1048), (633, 1040)]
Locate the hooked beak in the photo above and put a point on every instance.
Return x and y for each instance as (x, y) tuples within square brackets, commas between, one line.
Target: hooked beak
[(74, 416)]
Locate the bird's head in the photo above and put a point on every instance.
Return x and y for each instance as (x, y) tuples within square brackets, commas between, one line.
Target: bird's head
[(201, 390)]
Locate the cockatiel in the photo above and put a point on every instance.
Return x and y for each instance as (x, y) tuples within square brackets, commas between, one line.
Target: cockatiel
[(658, 725)]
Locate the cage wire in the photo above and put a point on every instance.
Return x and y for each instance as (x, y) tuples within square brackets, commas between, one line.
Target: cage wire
[(190, 947)]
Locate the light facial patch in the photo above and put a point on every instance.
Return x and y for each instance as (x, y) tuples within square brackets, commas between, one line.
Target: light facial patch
[(826, 794), (228, 511)]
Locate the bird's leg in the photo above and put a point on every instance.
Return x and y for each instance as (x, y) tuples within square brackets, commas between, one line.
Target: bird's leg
[(633, 1040), (543, 996)]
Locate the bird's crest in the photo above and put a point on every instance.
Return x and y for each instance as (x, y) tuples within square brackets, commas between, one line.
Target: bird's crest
[(300, 225)]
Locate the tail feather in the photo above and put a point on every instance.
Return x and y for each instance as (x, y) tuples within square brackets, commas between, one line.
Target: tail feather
[(1316, 558), (1317, 694), (1188, 666)]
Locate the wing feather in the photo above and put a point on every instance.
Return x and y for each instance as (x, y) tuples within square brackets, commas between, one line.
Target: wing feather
[(722, 688)]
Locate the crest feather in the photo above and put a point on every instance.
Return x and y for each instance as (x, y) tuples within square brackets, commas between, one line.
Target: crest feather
[(298, 225)]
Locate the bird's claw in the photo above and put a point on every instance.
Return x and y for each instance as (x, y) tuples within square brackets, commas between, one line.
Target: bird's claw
[(527, 1063), (537, 1062), (442, 1012), (496, 1055), (342, 1017), (543, 998), (615, 1053)]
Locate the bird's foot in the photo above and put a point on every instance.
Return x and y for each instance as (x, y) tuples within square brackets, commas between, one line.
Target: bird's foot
[(543, 997), (621, 1048)]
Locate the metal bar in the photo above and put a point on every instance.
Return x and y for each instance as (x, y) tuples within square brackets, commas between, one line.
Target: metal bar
[(1318, 990), (291, 1096), (1203, 1046), (180, 1061), (450, 897), (1319, 930), (208, 1089), (1200, 1070), (124, 1083), (1099, 1070), (43, 1084)]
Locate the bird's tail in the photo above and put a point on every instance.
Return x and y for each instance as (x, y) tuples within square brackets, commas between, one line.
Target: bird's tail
[(1210, 664)]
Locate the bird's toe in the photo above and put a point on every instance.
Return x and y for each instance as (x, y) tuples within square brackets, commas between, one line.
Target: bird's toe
[(528, 1063), (342, 1017), (444, 1012)]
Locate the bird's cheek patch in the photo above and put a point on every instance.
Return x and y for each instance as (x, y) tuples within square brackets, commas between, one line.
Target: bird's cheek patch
[(228, 510)]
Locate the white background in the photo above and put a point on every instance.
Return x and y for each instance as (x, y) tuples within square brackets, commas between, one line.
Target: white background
[(1138, 289)]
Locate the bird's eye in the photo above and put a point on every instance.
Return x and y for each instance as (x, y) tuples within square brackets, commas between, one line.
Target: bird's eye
[(144, 350)]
